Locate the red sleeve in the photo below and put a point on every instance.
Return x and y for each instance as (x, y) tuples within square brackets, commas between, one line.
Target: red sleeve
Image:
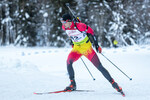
[(84, 27), (90, 30), (63, 27)]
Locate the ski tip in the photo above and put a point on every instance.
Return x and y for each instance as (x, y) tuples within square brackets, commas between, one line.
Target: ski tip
[(37, 93)]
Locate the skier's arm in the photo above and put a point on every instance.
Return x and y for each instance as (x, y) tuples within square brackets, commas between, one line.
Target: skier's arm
[(90, 31), (98, 48)]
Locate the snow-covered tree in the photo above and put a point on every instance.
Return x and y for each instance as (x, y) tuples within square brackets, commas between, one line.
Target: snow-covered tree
[(36, 22)]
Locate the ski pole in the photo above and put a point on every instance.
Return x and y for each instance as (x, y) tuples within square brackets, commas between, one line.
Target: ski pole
[(88, 70), (117, 67)]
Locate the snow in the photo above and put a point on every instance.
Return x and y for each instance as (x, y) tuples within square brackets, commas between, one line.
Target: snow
[(27, 15), (60, 9), (45, 14), (147, 33), (21, 10), (27, 70), (6, 20)]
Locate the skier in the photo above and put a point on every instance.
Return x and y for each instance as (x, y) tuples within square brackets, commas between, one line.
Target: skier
[(78, 32)]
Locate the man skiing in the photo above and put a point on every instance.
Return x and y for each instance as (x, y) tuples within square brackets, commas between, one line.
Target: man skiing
[(78, 32)]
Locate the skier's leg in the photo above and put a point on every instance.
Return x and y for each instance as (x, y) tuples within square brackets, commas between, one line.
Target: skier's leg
[(72, 57), (99, 66), (92, 56), (96, 62)]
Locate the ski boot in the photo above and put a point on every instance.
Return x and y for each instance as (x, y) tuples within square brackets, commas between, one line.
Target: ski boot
[(117, 87), (71, 87)]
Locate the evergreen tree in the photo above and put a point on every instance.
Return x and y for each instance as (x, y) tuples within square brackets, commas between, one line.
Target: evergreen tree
[(27, 24), (36, 22)]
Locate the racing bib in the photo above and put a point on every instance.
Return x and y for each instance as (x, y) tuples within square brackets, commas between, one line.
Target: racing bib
[(76, 35)]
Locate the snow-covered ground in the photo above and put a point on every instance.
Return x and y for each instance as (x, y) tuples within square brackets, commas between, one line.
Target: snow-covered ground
[(24, 71)]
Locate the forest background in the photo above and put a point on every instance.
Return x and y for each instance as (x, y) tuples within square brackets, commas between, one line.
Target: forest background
[(37, 22)]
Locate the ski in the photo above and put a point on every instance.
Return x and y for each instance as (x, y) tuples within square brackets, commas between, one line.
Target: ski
[(61, 91)]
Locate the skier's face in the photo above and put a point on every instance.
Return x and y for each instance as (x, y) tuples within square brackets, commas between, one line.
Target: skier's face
[(66, 24)]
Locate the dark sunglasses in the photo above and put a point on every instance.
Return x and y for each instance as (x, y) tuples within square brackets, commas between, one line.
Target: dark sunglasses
[(63, 22)]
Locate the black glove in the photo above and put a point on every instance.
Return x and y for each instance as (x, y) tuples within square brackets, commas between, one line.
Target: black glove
[(98, 49)]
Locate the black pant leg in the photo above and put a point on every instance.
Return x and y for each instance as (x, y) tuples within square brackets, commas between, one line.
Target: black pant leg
[(95, 60)]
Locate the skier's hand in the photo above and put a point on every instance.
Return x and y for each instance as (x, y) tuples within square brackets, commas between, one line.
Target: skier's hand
[(98, 49), (72, 45)]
